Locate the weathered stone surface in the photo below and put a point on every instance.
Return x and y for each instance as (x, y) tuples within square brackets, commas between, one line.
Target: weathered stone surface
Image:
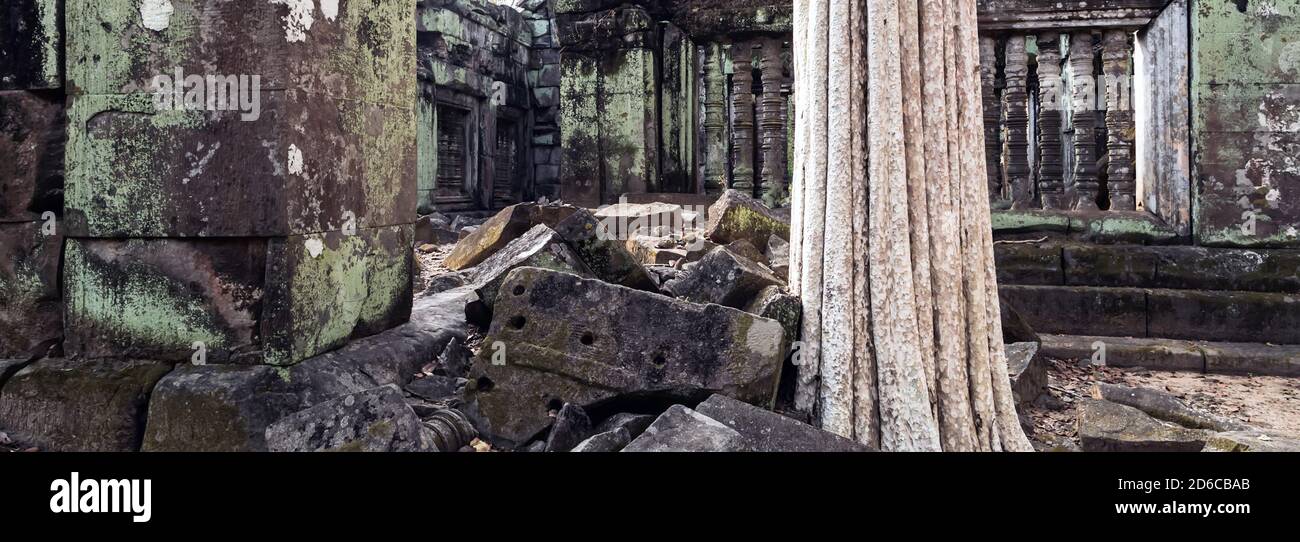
[(435, 229), (1227, 269), (1250, 441), (655, 250), (738, 216), (778, 256), (1224, 316), (680, 429), (1137, 227), (1087, 265), (1111, 427), (77, 405), (604, 255), (10, 366), (31, 308), (540, 247), (435, 387), (571, 427), (31, 45), (274, 301), (32, 135), (772, 302), (746, 249), (722, 277), (375, 420), (609, 441), (625, 220), (1159, 354), (512, 222), (455, 359), (134, 171), (1080, 310), (1163, 406), (1005, 222), (635, 424), (582, 341), (444, 282), (1251, 358), (1015, 329), (1028, 263), (213, 408), (1028, 372), (361, 51), (766, 431)]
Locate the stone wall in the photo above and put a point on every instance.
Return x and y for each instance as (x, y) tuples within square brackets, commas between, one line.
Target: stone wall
[(31, 176), (1245, 91)]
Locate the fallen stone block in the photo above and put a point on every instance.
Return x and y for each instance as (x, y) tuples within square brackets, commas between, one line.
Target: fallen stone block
[(540, 247), (576, 340), (504, 227), (435, 387), (745, 249), (766, 431), (375, 420), (654, 250), (737, 215), (778, 256), (609, 441), (604, 255), (1250, 441), (772, 302), (217, 408), (724, 278), (1028, 372), (1163, 406), (435, 229), (627, 220), (571, 427), (1111, 427), (635, 424), (78, 405), (680, 429)]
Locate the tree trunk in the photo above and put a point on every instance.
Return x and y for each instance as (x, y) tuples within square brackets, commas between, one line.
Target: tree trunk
[(889, 177)]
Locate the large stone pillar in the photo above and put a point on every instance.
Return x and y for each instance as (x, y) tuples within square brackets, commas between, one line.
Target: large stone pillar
[(241, 177), (771, 125), (742, 117)]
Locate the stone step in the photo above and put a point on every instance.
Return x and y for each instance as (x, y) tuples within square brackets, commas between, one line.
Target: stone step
[(1209, 315), (1177, 355)]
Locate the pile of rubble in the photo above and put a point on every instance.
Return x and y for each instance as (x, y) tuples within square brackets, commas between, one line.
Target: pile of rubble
[(635, 326)]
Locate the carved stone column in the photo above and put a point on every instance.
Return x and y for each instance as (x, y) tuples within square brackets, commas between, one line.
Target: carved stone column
[(1121, 182), (715, 119), (1015, 115), (1083, 103), (771, 124), (1051, 186), (742, 117), (992, 115)]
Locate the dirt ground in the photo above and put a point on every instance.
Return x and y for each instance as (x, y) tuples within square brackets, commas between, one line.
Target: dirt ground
[(1267, 402)]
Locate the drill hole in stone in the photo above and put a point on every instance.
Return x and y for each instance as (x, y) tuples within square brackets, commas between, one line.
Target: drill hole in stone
[(587, 338), (519, 290), (485, 384), (554, 404), (518, 322), (659, 360)]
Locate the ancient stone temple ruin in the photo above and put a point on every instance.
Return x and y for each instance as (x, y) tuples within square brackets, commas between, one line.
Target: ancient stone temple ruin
[(230, 225)]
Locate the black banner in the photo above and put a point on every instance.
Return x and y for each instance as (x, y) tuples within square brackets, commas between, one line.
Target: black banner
[(232, 491)]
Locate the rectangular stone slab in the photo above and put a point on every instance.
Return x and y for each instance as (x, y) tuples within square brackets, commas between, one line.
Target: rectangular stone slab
[(361, 50), (275, 301), (31, 307), (79, 405), (306, 164), (31, 142), (582, 341)]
